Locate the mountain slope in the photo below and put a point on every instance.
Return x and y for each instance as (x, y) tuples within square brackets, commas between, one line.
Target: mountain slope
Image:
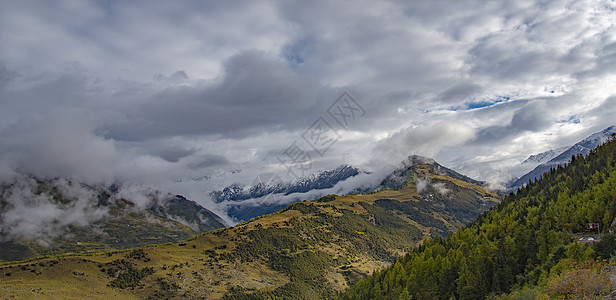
[(530, 246), (50, 217), (187, 212), (583, 147), (405, 172), (309, 250)]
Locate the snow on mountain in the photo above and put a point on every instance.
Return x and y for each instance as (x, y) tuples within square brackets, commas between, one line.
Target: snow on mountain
[(264, 195), (583, 147), (266, 186), (544, 156)]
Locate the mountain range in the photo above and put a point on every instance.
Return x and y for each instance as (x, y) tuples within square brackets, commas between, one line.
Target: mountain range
[(272, 187), (308, 250), (583, 147)]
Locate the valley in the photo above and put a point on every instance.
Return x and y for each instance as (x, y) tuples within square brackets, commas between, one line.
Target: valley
[(308, 250)]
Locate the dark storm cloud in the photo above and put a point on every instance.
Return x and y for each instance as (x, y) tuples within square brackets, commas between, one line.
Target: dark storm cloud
[(255, 93)]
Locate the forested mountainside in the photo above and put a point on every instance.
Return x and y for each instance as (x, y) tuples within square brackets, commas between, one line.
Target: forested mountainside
[(309, 250), (535, 244)]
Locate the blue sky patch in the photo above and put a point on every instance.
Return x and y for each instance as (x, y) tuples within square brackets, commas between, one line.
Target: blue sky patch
[(486, 103), (572, 119)]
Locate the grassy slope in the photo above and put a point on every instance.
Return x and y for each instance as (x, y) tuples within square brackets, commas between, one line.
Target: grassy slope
[(308, 250)]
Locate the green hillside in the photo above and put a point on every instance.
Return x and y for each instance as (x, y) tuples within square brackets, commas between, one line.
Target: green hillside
[(310, 250), (534, 245)]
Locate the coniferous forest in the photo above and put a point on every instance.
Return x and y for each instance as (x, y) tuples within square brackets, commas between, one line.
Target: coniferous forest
[(534, 245)]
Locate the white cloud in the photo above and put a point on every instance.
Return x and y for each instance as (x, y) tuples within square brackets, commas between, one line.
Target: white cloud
[(155, 93), (424, 140), (31, 214)]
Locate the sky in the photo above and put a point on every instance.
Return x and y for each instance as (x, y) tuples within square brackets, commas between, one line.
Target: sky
[(192, 96)]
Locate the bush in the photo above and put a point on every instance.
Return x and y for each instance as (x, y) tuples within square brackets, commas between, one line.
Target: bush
[(580, 283), (125, 274), (327, 198)]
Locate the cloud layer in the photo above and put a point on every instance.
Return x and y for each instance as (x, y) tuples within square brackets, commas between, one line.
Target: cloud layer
[(195, 96), (30, 214)]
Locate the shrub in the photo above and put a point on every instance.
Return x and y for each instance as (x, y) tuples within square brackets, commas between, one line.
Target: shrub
[(580, 283)]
